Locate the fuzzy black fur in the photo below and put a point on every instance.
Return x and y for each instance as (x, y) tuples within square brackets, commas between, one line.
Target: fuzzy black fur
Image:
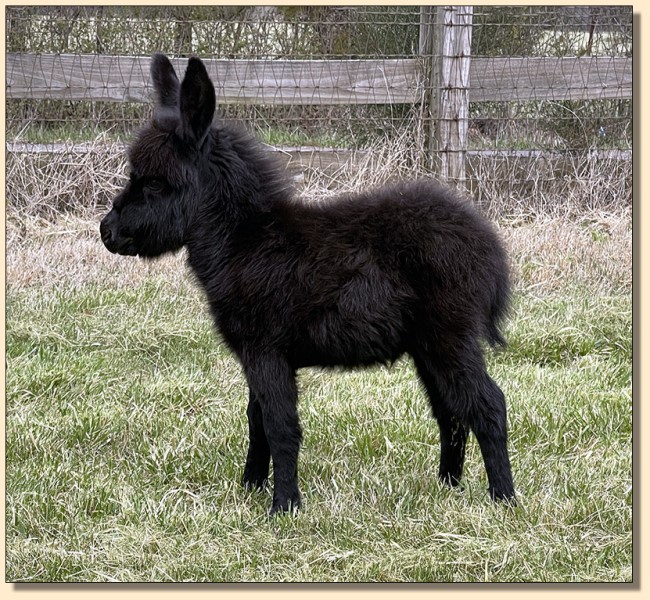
[(408, 268)]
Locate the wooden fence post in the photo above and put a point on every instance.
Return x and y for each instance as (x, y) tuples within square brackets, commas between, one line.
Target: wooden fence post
[(427, 111), (445, 43)]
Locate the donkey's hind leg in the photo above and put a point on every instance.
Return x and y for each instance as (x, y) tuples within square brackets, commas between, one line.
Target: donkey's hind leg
[(487, 420), (463, 396), (453, 433)]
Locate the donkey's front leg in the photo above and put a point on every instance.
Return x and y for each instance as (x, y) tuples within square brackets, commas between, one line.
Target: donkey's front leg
[(256, 471), (272, 383)]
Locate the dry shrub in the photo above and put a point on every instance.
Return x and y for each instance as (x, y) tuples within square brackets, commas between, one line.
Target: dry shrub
[(79, 178), (547, 184), (84, 177), (394, 158)]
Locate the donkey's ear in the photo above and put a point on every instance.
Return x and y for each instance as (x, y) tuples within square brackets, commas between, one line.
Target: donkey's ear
[(197, 101), (166, 88)]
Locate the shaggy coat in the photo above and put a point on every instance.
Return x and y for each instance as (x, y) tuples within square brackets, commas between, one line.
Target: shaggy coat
[(408, 268)]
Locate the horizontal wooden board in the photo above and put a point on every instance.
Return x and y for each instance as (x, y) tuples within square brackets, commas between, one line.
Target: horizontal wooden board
[(297, 158), (290, 82), (317, 157), (127, 79), (550, 78)]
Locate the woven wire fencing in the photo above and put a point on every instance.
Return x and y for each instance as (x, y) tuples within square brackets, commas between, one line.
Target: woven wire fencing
[(526, 108)]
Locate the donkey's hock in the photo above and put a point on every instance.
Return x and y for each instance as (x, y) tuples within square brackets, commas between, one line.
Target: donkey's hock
[(407, 268)]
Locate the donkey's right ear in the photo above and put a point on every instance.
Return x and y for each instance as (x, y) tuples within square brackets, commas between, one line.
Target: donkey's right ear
[(166, 87)]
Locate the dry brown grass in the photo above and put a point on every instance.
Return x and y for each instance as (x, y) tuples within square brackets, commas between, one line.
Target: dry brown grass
[(80, 179), (547, 255), (550, 254), (68, 251), (566, 186), (55, 201)]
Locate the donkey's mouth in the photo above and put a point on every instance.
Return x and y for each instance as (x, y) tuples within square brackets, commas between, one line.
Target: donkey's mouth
[(126, 248), (123, 247), (115, 243)]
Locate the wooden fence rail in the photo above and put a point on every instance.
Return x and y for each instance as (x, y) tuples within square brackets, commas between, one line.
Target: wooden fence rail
[(320, 82)]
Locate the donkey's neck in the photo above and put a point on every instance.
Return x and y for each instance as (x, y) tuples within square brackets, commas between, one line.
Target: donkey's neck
[(240, 179), (240, 187)]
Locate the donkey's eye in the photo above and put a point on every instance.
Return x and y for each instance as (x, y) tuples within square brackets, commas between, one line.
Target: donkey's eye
[(157, 186)]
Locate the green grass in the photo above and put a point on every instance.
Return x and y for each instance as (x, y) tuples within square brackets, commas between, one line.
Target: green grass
[(45, 133), (285, 136), (64, 132), (126, 438)]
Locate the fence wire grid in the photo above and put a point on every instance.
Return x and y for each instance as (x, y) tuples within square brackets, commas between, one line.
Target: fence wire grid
[(545, 113)]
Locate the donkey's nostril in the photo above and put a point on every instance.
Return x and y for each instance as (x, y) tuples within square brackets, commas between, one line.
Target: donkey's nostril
[(105, 233)]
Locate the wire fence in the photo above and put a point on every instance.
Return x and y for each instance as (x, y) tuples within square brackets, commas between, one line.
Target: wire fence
[(542, 114)]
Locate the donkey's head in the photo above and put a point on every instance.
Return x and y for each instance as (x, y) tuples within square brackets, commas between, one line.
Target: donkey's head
[(150, 216)]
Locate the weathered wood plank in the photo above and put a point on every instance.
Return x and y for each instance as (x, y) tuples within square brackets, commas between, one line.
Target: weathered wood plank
[(314, 155), (550, 78), (277, 82), (296, 158), (125, 78)]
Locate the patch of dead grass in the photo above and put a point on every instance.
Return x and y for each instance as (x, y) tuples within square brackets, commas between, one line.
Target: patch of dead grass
[(551, 253), (82, 178), (547, 255), (54, 203), (69, 252)]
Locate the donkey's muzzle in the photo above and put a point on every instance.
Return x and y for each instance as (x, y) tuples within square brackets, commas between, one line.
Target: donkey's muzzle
[(112, 240)]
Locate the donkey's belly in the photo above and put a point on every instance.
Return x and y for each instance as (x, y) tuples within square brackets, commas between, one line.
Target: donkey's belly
[(330, 339)]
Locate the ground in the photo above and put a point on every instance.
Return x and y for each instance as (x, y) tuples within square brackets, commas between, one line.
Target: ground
[(126, 430)]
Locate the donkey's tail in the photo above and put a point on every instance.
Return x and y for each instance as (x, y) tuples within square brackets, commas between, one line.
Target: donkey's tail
[(499, 309), (495, 336)]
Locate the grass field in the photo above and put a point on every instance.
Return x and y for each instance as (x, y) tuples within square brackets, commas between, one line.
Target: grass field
[(126, 431)]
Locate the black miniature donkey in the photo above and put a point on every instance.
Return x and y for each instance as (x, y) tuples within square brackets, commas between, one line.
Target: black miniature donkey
[(408, 268)]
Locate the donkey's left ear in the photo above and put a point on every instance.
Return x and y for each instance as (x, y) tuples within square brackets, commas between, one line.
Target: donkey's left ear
[(197, 102), (166, 88)]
